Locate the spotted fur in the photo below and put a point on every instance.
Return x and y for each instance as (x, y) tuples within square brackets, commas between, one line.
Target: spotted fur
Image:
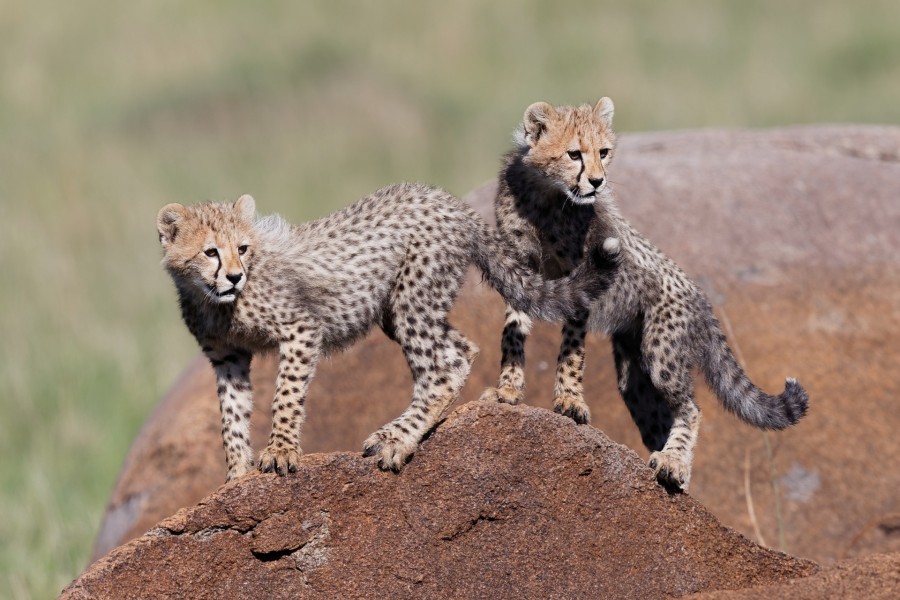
[(395, 258), (554, 204)]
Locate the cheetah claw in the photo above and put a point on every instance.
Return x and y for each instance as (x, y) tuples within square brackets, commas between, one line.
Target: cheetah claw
[(506, 394), (671, 470), (574, 408), (393, 451), (282, 460)]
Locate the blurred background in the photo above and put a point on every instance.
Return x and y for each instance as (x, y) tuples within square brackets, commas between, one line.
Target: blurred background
[(108, 110)]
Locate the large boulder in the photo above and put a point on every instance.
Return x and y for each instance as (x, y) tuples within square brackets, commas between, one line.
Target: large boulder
[(515, 501), (792, 232)]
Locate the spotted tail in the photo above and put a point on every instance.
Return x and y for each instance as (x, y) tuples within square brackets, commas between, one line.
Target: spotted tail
[(545, 299), (739, 395)]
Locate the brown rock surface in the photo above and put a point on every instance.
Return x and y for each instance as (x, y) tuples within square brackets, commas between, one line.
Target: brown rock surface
[(177, 458), (873, 577), (794, 235), (500, 499)]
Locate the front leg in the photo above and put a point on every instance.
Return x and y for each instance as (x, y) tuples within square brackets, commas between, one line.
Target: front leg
[(511, 385), (520, 239), (568, 392), (232, 368), (298, 355)]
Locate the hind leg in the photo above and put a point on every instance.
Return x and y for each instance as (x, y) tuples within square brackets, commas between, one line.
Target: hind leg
[(658, 392), (511, 384), (439, 371), (568, 391), (648, 408), (663, 352), (463, 346), (466, 346), (673, 462), (438, 356)]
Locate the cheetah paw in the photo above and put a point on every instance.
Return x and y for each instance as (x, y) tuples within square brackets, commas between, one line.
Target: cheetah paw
[(671, 469), (506, 393), (281, 459), (572, 407), (392, 448)]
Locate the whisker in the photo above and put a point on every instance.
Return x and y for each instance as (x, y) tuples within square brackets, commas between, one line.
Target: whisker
[(208, 296)]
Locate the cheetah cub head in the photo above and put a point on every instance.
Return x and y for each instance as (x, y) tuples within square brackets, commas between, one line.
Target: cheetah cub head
[(208, 247), (569, 146)]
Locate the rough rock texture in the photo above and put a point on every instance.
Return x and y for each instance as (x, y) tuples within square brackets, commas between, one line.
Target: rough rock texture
[(793, 233), (177, 458), (505, 499), (874, 577)]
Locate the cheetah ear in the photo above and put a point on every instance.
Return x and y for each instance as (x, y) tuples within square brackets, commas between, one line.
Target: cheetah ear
[(167, 222), (603, 110), (246, 207), (536, 119)]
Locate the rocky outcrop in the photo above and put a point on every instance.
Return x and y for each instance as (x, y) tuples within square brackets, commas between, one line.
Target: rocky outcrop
[(177, 458), (792, 232), (515, 501)]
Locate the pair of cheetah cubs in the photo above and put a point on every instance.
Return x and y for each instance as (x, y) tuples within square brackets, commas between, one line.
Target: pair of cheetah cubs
[(561, 252)]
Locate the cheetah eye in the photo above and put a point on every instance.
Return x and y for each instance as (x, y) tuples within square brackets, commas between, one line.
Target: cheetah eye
[(575, 154), (604, 152), (242, 249), (211, 252)]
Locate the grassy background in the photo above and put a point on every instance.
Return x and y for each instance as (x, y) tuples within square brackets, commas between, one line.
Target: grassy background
[(108, 110)]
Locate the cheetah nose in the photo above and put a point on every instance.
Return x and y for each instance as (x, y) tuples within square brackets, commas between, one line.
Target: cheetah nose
[(234, 277), (596, 182)]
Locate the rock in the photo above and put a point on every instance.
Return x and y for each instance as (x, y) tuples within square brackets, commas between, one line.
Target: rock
[(792, 232), (177, 458), (499, 500), (874, 577)]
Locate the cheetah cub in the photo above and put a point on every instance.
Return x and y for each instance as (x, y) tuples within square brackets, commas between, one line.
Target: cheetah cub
[(552, 206), (395, 258)]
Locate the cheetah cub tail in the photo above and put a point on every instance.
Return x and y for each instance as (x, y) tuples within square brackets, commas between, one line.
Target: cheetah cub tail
[(612, 245), (548, 300), (740, 396)]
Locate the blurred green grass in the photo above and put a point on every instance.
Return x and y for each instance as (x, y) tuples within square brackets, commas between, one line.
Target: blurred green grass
[(110, 110)]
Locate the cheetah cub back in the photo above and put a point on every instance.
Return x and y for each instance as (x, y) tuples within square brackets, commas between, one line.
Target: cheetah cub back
[(394, 259), (553, 207)]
